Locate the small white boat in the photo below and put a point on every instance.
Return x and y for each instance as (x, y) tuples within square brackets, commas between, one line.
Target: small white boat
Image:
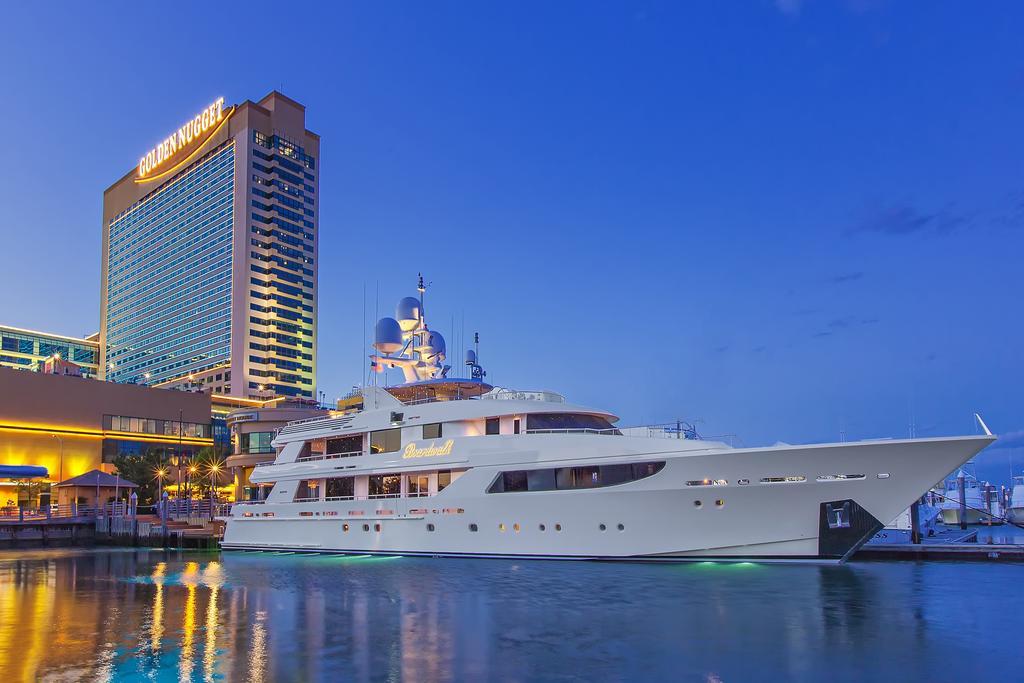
[(1016, 511), (982, 507)]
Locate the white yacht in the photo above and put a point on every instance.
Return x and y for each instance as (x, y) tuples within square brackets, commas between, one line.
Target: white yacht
[(982, 507), (439, 466), (1016, 511)]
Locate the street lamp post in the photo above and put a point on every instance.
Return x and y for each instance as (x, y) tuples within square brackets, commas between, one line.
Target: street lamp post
[(60, 476)]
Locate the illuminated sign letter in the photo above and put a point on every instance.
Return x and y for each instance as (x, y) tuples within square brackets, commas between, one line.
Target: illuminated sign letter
[(204, 122)]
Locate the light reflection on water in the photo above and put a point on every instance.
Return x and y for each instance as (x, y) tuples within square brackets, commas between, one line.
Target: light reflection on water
[(124, 614)]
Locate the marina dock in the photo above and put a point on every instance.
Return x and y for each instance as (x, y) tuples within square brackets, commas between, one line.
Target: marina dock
[(948, 544)]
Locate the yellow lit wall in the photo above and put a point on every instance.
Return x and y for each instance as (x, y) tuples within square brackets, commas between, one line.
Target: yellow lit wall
[(81, 453)]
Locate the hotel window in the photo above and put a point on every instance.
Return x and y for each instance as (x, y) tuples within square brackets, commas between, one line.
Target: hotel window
[(386, 440), (492, 426), (432, 431), (257, 442)]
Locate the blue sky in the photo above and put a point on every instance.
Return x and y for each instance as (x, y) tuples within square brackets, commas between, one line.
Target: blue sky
[(789, 221)]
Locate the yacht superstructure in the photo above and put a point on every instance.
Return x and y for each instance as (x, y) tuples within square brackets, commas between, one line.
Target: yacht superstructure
[(455, 467)]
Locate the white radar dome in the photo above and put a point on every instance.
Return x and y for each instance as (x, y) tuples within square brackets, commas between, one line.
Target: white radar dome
[(470, 356), (387, 335), (433, 345), (408, 312)]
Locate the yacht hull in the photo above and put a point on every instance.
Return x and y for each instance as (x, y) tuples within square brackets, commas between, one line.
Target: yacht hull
[(820, 514)]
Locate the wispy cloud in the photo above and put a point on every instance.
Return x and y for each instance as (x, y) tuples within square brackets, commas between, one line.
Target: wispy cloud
[(904, 219), (846, 277), (839, 325)]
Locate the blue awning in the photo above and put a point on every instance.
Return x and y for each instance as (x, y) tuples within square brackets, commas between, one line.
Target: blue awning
[(21, 472)]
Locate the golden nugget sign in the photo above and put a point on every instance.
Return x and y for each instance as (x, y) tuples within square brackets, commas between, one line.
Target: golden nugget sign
[(205, 121), (412, 452)]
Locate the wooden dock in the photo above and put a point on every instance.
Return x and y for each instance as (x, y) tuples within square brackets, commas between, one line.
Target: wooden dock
[(951, 544)]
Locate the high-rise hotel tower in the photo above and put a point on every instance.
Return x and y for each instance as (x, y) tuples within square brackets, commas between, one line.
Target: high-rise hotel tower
[(210, 255)]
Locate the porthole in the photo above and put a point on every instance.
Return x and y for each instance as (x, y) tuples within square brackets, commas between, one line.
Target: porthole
[(698, 504), (474, 527), (376, 527), (541, 527), (602, 527), (719, 503), (558, 527), (742, 482), (515, 527), (366, 527), (430, 527), (501, 527), (344, 527), (622, 527), (883, 475)]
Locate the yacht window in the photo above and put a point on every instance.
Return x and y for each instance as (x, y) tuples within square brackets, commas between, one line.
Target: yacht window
[(340, 487), (385, 485), (568, 478), (432, 431), (386, 440), (567, 421), (616, 474), (515, 426), (540, 480), (418, 485), (578, 477), (514, 481), (493, 426), (444, 477), (345, 444), (307, 489)]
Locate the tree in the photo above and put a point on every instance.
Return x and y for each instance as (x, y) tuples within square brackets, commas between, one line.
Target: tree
[(212, 471), (143, 470)]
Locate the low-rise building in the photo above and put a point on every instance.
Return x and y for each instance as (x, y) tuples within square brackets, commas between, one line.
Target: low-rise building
[(252, 430), (29, 350), (71, 425)]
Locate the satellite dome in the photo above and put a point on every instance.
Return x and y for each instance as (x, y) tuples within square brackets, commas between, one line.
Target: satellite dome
[(470, 357), (387, 335), (408, 313), (433, 345)]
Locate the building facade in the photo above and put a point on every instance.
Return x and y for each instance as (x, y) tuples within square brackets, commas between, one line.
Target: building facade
[(71, 425), (29, 350), (252, 430), (209, 273)]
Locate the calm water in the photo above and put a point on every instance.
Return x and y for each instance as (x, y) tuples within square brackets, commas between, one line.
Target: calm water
[(125, 615)]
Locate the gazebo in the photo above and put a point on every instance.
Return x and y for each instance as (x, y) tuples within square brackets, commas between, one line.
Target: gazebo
[(86, 489)]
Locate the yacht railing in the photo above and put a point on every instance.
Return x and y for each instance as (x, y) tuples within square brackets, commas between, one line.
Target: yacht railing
[(328, 456), (513, 395), (575, 430)]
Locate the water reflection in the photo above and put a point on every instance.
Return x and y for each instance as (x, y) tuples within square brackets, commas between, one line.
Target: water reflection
[(112, 615)]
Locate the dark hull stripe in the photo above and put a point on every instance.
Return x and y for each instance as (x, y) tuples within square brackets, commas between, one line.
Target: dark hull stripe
[(501, 556)]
